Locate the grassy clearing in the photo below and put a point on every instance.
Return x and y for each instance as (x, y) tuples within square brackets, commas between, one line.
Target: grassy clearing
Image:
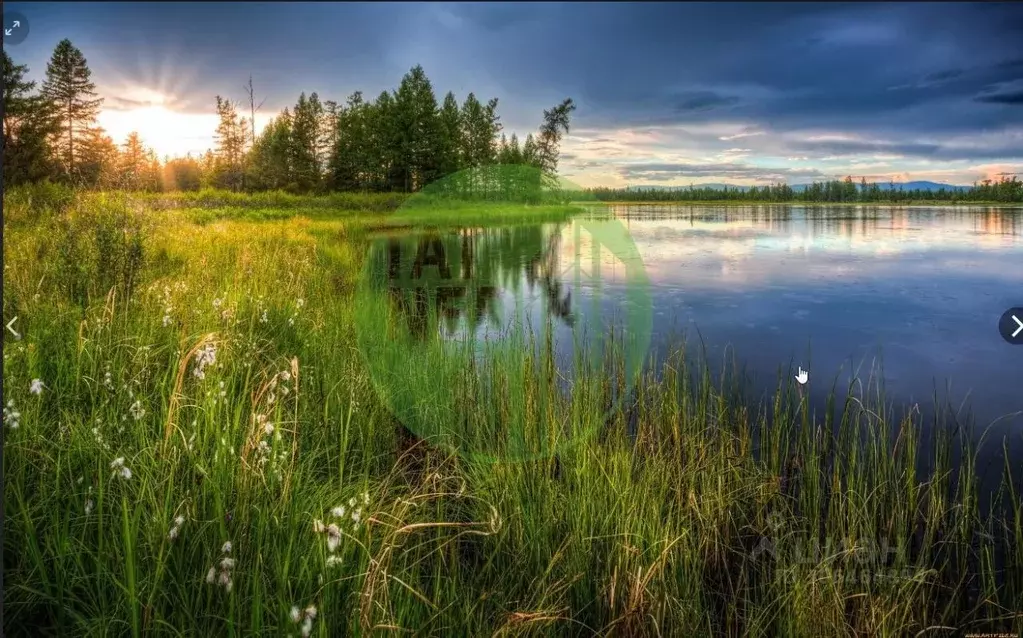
[(205, 452)]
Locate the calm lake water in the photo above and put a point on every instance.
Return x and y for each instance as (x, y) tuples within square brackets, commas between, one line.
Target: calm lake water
[(836, 290)]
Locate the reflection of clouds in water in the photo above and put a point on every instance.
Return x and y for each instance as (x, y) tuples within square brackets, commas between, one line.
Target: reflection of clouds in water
[(798, 249)]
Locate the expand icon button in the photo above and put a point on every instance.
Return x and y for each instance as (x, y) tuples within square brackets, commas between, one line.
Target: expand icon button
[(1010, 326)]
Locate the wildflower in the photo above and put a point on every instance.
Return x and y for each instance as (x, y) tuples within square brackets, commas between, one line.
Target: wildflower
[(365, 498), (166, 320), (338, 511), (119, 468), (306, 617), (263, 317), (217, 302), (332, 531), (333, 559), (284, 375), (268, 429), (221, 571), (300, 303), (137, 411), (36, 387), (108, 380), (88, 507), (333, 537), (205, 357), (12, 418), (176, 529)]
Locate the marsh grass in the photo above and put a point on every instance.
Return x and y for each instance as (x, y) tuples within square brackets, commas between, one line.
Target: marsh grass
[(687, 510)]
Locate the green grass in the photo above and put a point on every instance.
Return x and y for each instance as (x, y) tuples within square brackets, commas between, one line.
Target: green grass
[(120, 299)]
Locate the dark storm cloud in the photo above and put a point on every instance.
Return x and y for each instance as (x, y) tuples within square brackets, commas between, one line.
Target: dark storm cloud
[(921, 150), (704, 101), (1015, 97)]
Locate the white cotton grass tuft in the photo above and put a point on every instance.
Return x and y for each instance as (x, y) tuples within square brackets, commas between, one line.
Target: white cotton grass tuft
[(305, 617), (137, 411), (36, 387), (206, 357), (220, 573), (175, 530), (333, 537), (12, 418), (332, 531), (120, 469)]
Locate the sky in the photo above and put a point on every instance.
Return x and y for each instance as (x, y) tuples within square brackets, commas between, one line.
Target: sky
[(667, 94)]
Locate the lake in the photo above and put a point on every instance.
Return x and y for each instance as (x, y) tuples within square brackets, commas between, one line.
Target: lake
[(835, 290)]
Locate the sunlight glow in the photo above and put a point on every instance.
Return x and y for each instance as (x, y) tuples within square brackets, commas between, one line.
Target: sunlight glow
[(165, 131)]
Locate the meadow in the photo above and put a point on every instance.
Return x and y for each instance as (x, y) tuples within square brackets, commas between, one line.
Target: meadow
[(193, 447)]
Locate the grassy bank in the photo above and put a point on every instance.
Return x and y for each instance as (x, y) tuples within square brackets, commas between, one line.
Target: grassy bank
[(204, 452)]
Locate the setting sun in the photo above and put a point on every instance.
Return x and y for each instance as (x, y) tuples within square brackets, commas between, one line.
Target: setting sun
[(168, 132)]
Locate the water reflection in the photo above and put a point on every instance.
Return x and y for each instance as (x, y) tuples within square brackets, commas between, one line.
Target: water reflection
[(836, 289), (462, 282)]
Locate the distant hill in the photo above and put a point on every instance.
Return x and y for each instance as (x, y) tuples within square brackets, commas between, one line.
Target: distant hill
[(906, 186)]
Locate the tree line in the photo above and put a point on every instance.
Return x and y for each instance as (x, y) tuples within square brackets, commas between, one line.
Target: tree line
[(1005, 189), (400, 141)]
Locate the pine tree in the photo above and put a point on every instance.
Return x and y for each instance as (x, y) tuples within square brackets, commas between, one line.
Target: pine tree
[(97, 159), (417, 129), (133, 163), (529, 155), (270, 162), (348, 169), (548, 144), (514, 151), (71, 92), (208, 170), (305, 138), (230, 140), (381, 152), (449, 144), (28, 125), (503, 150)]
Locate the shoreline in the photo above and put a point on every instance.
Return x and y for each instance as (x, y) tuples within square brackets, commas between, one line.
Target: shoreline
[(924, 203)]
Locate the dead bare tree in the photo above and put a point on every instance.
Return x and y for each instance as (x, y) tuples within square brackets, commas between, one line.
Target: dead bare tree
[(253, 108)]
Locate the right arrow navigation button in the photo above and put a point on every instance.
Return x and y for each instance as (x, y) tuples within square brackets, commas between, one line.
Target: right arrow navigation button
[(1011, 326)]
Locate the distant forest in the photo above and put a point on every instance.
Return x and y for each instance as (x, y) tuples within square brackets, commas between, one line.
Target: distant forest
[(847, 190), (399, 142)]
